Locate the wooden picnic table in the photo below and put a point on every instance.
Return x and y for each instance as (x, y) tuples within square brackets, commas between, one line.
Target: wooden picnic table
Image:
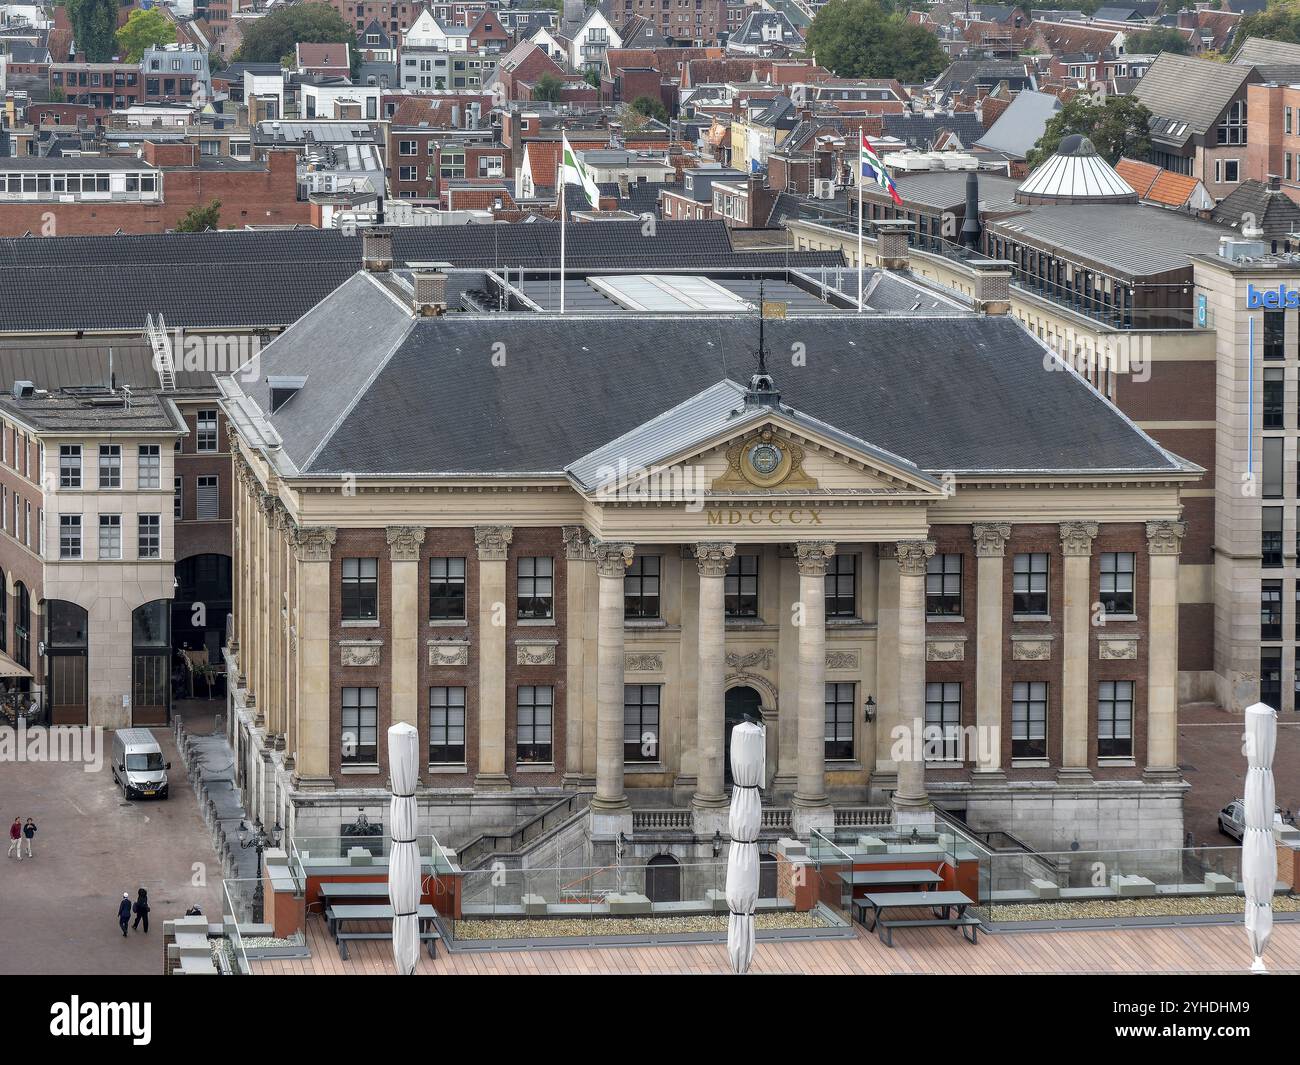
[(337, 916), (948, 907)]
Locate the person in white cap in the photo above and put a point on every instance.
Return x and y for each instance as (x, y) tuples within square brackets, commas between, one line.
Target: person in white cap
[(124, 911)]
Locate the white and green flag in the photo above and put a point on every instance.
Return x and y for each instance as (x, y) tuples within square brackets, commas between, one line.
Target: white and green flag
[(574, 172)]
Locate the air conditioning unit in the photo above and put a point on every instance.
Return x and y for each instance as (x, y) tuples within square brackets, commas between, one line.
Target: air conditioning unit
[(823, 189)]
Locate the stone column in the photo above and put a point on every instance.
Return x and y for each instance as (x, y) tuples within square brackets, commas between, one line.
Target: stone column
[(990, 549), (578, 627), (1076, 546), (812, 808), (710, 799), (887, 713), (1164, 542), (493, 543), (911, 803), (313, 548), (404, 635), (612, 560), (785, 781)]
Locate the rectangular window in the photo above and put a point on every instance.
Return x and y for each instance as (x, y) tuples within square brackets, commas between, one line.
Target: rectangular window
[(1117, 582), (110, 466), (742, 586), (1271, 453), (1029, 719), (446, 589), (943, 586), (943, 720), (1274, 399), (360, 726), (69, 536), (1270, 610), (150, 537), (360, 589), (1274, 346), (839, 721), (446, 726), (1270, 676), (207, 503), (110, 536), (640, 722), (1029, 584), (205, 431), (1115, 719), (533, 723), (842, 587), (1270, 547), (69, 465), (178, 497), (150, 466), (536, 588), (641, 587)]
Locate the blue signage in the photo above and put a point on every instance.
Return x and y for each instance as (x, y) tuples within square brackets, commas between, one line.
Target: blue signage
[(1202, 310), (1272, 298)]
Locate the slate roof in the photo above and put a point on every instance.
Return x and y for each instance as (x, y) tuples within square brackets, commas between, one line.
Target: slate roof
[(1018, 128), (920, 130), (1272, 209), (948, 394), (1191, 91), (1276, 60), (94, 409), (65, 362)]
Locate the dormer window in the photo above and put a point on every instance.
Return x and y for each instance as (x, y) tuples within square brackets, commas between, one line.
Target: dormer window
[(283, 389)]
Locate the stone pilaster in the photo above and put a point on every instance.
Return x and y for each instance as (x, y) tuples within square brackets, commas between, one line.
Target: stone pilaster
[(911, 803), (990, 550), (812, 808), (404, 653), (493, 543), (612, 560), (887, 711), (1164, 543), (710, 799), (1076, 546), (580, 656), (313, 548)]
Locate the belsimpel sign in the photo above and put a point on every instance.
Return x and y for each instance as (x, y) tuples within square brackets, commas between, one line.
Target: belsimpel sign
[(1272, 298)]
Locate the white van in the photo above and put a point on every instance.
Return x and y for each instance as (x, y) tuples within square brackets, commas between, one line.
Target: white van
[(138, 765)]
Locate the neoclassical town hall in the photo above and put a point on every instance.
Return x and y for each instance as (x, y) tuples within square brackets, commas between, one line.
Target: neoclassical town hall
[(575, 551)]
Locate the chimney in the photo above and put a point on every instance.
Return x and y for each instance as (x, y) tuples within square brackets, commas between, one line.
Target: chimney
[(892, 252), (430, 293), (992, 286), (376, 249), (970, 227), (1274, 183)]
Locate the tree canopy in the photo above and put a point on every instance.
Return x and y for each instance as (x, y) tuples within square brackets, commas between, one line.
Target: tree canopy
[(1117, 126), (1155, 40), (650, 107), (144, 29), (94, 23), (869, 39), (548, 88), (200, 219), (270, 38)]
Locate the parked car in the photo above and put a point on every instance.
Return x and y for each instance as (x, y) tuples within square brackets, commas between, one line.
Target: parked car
[(138, 764), (1232, 818)]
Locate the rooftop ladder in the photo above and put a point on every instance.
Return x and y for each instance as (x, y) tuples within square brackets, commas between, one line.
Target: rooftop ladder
[(156, 334)]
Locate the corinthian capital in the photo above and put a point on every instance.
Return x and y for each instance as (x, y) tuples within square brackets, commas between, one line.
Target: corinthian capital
[(612, 559), (713, 558), (811, 556), (404, 542), (991, 538), (913, 556), (493, 542), (1077, 537), (1165, 537), (313, 543), (576, 543)]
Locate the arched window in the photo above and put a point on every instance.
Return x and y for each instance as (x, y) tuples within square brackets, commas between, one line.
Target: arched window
[(663, 879), (22, 623)]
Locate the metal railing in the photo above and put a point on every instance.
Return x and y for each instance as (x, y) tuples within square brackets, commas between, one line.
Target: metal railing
[(489, 843)]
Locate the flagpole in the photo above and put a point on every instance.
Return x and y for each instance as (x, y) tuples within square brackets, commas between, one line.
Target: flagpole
[(561, 181), (859, 169)]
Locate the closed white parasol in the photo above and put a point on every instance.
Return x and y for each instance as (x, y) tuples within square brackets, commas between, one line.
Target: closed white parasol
[(404, 854), (1258, 851), (748, 756)]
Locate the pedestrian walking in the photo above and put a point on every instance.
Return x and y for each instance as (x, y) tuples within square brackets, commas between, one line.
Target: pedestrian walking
[(29, 830), (141, 909), (124, 912), (16, 838)]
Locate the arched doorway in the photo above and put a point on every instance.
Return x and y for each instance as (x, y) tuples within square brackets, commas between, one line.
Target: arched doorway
[(741, 703), (663, 879)]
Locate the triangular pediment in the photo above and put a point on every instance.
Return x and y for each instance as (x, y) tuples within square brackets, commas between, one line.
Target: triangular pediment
[(715, 445)]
